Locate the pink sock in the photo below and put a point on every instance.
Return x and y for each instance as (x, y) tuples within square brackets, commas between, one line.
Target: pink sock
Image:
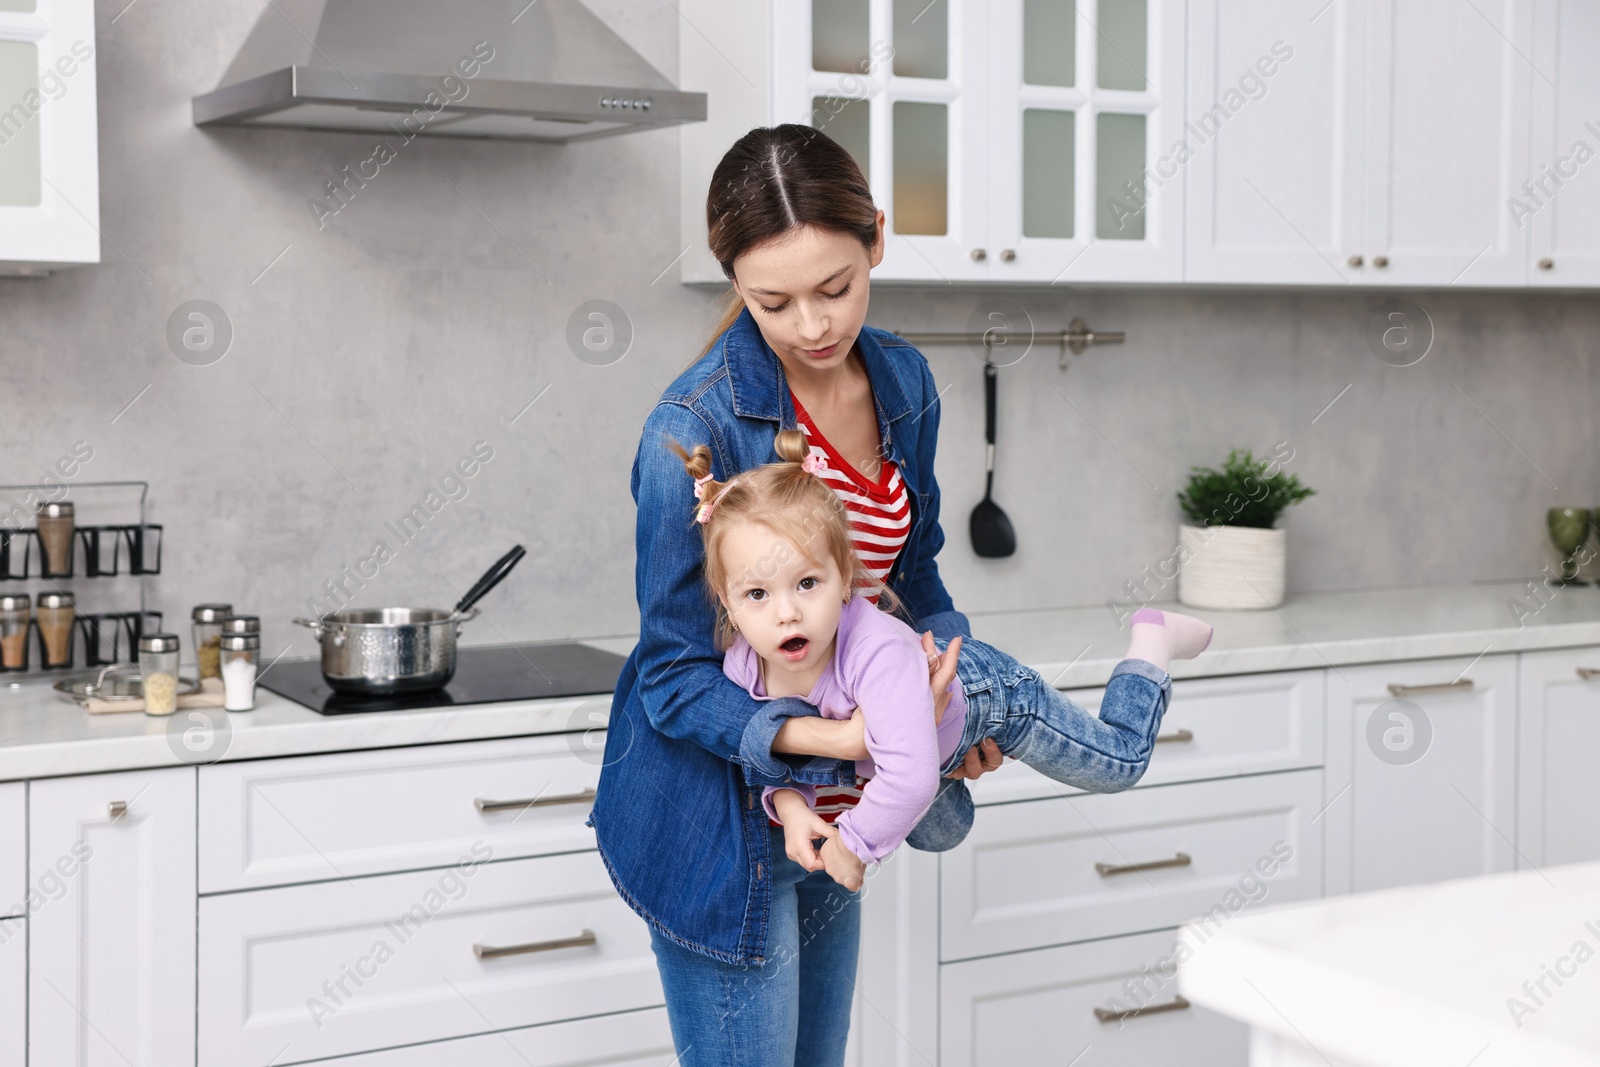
[(1159, 637)]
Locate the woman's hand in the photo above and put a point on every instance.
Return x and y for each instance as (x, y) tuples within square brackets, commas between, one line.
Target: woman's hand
[(941, 672), (801, 826), (981, 758)]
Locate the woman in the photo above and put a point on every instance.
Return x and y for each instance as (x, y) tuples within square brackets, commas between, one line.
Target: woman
[(678, 817)]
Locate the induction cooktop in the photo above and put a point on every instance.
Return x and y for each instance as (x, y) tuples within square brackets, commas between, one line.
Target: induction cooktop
[(485, 674)]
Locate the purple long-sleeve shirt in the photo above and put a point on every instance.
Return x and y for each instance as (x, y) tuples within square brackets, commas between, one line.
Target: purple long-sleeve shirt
[(878, 664)]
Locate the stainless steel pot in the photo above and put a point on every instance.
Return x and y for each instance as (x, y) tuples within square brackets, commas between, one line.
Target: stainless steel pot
[(383, 651)]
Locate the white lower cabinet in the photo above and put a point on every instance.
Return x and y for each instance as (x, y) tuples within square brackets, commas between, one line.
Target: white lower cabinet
[(1047, 872), (631, 1039), (1071, 1005), (111, 976), (1421, 783), (13, 848), (306, 972), (13, 992), (1559, 726)]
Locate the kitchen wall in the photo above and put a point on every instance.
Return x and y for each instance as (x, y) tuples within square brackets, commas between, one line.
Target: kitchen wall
[(372, 352)]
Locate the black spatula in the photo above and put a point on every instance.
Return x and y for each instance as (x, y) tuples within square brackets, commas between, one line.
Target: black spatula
[(992, 535)]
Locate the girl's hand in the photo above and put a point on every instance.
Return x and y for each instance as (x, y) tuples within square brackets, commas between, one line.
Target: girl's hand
[(941, 672), (842, 865), (801, 826)]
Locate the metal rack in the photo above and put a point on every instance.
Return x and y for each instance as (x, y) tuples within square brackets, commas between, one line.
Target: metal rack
[(1076, 338), (106, 557)]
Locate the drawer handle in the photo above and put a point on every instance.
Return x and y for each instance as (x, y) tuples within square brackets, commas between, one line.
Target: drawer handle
[(489, 952), (1460, 685), (1108, 869), (117, 808), (1589, 674), (1179, 735), (580, 797), (1106, 1015)]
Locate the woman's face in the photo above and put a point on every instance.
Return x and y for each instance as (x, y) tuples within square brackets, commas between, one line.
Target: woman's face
[(807, 290)]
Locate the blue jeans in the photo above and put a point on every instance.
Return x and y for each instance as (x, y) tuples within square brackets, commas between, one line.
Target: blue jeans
[(792, 1010), (1034, 722)]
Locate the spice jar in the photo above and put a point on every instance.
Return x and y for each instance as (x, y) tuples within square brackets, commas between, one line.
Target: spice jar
[(241, 624), (158, 669), (240, 654), (55, 523), (15, 611), (54, 618), (208, 637)]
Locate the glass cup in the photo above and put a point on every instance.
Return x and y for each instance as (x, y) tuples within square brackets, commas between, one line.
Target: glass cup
[(15, 611), (1569, 530), (208, 638), (240, 654), (158, 670)]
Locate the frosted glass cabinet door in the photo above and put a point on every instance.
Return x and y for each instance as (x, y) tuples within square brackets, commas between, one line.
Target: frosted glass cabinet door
[(1447, 123), (1274, 179), (901, 84), (1561, 209), (49, 166), (1085, 100)]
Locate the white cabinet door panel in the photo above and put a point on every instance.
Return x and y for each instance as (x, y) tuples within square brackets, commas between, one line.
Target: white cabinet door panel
[(13, 848), (1561, 210), (1559, 725), (111, 977), (631, 1039), (1037, 1009), (1421, 781), (13, 993), (1049, 872)]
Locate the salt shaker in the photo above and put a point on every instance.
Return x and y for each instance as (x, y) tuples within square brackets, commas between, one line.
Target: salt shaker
[(241, 624), (158, 667), (207, 635), (240, 654)]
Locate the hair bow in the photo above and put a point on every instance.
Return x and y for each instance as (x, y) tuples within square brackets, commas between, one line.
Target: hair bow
[(814, 463), (704, 514)]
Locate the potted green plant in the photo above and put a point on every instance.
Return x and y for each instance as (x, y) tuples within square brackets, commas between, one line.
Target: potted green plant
[(1231, 553)]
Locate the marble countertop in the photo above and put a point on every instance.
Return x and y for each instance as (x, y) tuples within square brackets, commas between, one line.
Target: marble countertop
[(42, 736), (1448, 973)]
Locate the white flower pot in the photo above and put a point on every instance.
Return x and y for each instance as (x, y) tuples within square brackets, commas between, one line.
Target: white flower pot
[(1231, 566)]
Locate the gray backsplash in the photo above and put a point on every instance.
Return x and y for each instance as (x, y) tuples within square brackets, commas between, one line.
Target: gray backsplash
[(371, 355)]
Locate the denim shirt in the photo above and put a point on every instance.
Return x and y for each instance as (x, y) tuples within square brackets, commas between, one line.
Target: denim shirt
[(678, 814)]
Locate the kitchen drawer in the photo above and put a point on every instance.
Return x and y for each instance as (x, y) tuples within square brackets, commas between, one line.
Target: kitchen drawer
[(1049, 872), (632, 1039), (1213, 728), (372, 963), (309, 818), (13, 848), (13, 992), (1033, 1009)]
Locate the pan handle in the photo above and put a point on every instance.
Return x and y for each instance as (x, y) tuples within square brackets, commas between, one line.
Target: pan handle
[(466, 616), (491, 578), (314, 625)]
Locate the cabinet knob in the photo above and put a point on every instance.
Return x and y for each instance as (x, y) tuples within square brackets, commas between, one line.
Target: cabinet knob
[(1547, 264), (1009, 255), (1380, 261), (1355, 261), (117, 808), (979, 255)]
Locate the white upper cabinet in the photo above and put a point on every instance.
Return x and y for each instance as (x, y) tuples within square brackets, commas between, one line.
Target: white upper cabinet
[(49, 163), (1008, 141), (1447, 135), (1275, 171), (1559, 207)]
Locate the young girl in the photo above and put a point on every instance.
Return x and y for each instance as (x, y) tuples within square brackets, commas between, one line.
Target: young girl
[(798, 615)]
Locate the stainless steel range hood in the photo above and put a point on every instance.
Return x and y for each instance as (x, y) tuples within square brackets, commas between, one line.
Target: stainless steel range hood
[(543, 71)]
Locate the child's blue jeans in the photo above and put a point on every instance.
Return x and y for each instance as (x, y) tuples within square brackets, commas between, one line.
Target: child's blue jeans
[(1034, 722)]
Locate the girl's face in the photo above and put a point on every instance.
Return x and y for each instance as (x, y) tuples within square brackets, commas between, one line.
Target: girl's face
[(784, 603), (807, 290)]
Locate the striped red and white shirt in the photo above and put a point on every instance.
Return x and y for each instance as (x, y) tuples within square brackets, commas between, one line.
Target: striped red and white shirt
[(880, 524)]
